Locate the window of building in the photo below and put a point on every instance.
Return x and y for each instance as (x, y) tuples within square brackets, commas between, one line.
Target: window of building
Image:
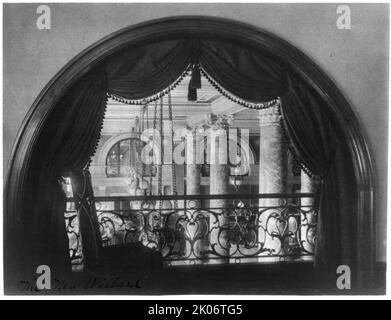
[(123, 156)]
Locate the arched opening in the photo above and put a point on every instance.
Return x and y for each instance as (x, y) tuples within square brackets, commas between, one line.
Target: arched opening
[(29, 209)]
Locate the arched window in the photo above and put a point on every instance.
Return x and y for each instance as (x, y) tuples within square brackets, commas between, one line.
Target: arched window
[(124, 155)]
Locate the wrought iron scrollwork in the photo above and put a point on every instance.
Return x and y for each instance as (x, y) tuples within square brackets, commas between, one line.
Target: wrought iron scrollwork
[(274, 229)]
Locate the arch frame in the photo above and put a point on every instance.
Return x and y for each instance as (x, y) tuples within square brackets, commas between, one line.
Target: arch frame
[(189, 27)]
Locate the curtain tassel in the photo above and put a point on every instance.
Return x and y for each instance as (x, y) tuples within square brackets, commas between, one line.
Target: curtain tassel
[(194, 84), (191, 93)]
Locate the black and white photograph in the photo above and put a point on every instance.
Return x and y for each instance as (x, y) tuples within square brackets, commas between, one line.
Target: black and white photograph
[(227, 149)]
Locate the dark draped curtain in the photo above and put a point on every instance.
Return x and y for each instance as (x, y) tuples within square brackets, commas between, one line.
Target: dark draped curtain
[(65, 144), (136, 73), (317, 139), (242, 72)]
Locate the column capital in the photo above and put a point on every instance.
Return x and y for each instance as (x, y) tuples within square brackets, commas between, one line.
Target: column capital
[(269, 116)]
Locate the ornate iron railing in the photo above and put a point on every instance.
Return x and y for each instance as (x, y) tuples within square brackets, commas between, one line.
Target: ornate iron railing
[(207, 229)]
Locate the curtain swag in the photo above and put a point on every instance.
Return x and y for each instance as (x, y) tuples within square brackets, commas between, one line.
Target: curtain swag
[(154, 97), (194, 84)]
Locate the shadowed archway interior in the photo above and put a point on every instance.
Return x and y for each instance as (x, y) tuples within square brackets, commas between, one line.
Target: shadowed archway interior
[(62, 129)]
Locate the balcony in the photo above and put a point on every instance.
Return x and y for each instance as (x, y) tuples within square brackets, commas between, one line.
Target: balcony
[(206, 229)]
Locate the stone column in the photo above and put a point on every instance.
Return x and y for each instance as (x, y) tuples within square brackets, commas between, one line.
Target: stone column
[(272, 176), (194, 227), (272, 155), (193, 172), (308, 185), (219, 184)]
